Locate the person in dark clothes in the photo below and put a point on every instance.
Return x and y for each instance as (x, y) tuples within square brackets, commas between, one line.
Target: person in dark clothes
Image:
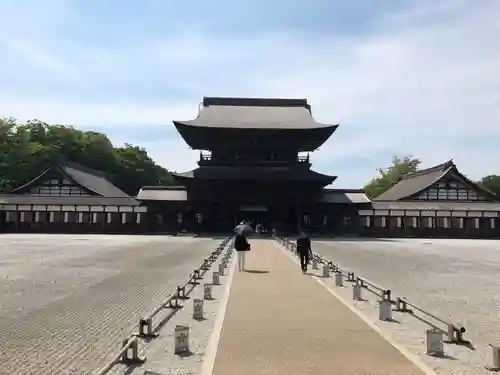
[(304, 250), (242, 246)]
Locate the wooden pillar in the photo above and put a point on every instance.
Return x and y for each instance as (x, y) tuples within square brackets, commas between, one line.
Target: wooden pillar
[(298, 212)]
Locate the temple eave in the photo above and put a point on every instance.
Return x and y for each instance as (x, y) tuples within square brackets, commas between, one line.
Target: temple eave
[(196, 123), (292, 176)]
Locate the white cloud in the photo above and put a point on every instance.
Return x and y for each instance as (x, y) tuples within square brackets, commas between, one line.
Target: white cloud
[(39, 58), (425, 82)]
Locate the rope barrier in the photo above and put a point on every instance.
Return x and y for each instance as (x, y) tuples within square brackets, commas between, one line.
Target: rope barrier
[(146, 323)]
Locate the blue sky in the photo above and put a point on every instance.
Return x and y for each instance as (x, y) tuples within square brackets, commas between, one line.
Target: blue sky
[(419, 77)]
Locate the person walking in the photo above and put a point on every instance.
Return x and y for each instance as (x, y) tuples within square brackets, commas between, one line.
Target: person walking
[(304, 250), (242, 246)]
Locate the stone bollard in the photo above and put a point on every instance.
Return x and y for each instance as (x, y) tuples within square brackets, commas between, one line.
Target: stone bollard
[(174, 303), (315, 263), (181, 291), (198, 309), (385, 310), (339, 279), (494, 358), (146, 328), (207, 291), (350, 276), (181, 337), (401, 305), (215, 278), (221, 269), (132, 344), (360, 282), (356, 292), (326, 270), (196, 275), (451, 332), (434, 342)]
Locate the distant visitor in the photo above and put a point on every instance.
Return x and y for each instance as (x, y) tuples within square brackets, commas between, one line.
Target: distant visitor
[(304, 250), (241, 243)]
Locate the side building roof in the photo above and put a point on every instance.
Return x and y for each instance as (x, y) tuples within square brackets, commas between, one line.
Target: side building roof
[(415, 183), (94, 182), (345, 196), (179, 194), (163, 193)]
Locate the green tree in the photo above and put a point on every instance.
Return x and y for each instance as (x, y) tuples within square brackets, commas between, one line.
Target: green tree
[(27, 149), (492, 183), (391, 175), (138, 169)]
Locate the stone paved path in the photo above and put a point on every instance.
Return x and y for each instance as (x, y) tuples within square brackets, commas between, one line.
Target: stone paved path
[(280, 321)]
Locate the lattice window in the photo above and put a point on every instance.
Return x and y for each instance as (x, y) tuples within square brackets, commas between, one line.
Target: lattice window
[(450, 193), (58, 190), (442, 194)]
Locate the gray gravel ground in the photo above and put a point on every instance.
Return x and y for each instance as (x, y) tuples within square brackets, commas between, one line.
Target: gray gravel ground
[(454, 279), (161, 358), (67, 301)]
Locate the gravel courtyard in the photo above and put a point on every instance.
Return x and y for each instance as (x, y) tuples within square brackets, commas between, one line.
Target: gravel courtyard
[(457, 279), (67, 301)]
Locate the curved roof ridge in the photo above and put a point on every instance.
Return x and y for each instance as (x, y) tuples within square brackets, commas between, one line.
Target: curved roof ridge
[(83, 168), (258, 102), (443, 166), (46, 170)]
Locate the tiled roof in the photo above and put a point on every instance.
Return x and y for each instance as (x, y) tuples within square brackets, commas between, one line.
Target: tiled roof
[(95, 182), (255, 113), (252, 173), (416, 182), (344, 196), (163, 193)]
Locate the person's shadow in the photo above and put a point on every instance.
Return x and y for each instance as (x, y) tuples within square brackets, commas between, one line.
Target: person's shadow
[(256, 271)]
